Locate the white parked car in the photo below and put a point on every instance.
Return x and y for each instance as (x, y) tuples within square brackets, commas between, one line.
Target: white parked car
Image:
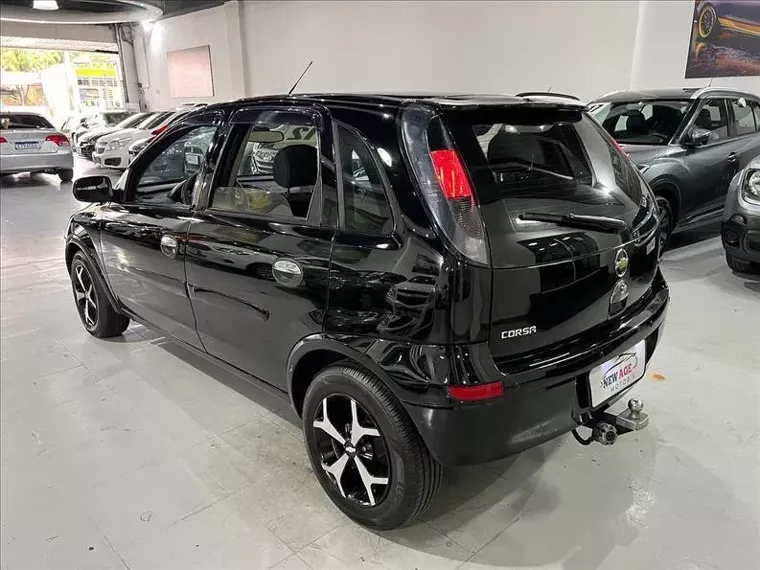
[(30, 143), (113, 150)]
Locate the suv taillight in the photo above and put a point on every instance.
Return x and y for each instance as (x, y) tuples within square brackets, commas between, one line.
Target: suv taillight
[(444, 182), (58, 139)]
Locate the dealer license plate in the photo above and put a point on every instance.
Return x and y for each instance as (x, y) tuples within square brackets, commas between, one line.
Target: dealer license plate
[(617, 374), (27, 145)]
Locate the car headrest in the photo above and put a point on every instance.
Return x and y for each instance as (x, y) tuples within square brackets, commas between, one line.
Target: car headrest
[(295, 165), (704, 119), (636, 123)]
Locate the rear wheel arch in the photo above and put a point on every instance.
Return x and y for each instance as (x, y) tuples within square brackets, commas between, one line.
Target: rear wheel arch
[(313, 354), (76, 245)]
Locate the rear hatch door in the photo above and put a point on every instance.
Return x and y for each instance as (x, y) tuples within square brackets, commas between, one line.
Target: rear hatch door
[(570, 223)]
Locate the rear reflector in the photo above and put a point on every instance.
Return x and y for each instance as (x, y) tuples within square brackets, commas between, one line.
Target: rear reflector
[(3, 139), (60, 140), (476, 391), (451, 175), (159, 130)]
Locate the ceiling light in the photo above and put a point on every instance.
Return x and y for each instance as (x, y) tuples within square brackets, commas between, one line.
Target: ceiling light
[(45, 5)]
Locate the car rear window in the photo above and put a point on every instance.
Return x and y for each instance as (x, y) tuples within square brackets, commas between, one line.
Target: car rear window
[(24, 121), (545, 161)]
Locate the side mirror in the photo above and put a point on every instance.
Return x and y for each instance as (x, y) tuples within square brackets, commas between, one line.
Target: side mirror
[(697, 137), (93, 189)]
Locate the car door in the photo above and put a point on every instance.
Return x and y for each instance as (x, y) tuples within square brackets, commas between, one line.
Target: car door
[(142, 236), (258, 254), (710, 166)]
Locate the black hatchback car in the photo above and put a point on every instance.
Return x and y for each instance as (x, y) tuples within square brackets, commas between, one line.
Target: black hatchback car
[(433, 280)]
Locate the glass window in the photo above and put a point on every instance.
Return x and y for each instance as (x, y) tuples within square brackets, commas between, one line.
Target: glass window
[(743, 117), (642, 122), (756, 111), (276, 169), (366, 205), (713, 116), (24, 121), (169, 177)]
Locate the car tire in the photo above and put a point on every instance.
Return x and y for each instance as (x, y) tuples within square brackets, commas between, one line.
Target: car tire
[(708, 26), (93, 305), (667, 221), (741, 266), (391, 452), (66, 175)]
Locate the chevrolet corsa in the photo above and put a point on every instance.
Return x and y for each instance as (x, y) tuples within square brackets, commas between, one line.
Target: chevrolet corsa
[(370, 272)]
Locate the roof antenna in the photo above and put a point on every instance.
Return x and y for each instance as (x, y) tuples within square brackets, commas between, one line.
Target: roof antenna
[(550, 89), (300, 77), (711, 80)]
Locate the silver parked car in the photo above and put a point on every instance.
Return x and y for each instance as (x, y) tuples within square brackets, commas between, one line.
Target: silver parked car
[(741, 220), (29, 143)]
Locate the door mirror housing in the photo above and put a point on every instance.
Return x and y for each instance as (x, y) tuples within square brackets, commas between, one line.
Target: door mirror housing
[(697, 137), (93, 189)]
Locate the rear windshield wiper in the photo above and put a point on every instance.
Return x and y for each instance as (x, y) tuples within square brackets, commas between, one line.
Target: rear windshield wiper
[(599, 223)]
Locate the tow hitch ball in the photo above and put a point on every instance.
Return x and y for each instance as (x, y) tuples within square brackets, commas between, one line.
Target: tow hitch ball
[(606, 428)]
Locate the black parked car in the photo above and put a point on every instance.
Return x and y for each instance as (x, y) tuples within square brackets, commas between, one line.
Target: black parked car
[(432, 280), (741, 221), (688, 144)]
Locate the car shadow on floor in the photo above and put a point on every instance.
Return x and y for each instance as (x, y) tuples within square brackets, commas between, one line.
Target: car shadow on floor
[(689, 237)]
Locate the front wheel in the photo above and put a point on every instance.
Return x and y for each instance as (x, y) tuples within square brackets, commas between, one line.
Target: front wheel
[(667, 222), (94, 308), (365, 451)]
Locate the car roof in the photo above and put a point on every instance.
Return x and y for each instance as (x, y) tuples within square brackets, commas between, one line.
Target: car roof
[(681, 93), (391, 101)]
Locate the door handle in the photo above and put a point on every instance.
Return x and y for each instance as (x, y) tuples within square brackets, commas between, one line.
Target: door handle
[(733, 157), (169, 246)]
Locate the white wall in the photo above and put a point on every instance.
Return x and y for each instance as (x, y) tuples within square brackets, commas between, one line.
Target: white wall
[(582, 47), (662, 46), (208, 27), (499, 47)]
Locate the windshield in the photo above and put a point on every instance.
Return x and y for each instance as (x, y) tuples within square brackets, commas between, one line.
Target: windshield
[(131, 121), (24, 121), (154, 120), (642, 122), (115, 118), (535, 170)]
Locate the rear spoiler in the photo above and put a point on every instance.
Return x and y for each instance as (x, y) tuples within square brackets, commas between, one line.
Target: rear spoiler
[(549, 97)]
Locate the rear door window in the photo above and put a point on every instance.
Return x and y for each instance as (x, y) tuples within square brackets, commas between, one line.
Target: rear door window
[(744, 120)]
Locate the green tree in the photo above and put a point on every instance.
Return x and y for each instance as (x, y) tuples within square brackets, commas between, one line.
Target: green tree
[(28, 60)]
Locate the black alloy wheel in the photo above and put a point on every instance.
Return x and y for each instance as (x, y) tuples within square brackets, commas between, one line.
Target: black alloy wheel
[(665, 214), (93, 305), (352, 450), (84, 295), (364, 449)]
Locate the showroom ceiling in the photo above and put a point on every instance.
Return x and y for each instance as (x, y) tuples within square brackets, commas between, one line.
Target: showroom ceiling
[(98, 11)]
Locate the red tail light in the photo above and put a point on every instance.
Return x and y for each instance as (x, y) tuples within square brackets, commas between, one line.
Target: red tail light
[(159, 130), (3, 139), (60, 140), (476, 391), (620, 148), (451, 175)]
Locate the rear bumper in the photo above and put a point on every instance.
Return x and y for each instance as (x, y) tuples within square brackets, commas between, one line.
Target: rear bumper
[(534, 411), (13, 163)]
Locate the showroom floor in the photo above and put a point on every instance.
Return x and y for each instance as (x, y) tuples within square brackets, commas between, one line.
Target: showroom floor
[(133, 453)]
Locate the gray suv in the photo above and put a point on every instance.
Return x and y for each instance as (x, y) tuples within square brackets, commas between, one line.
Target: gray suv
[(687, 143)]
